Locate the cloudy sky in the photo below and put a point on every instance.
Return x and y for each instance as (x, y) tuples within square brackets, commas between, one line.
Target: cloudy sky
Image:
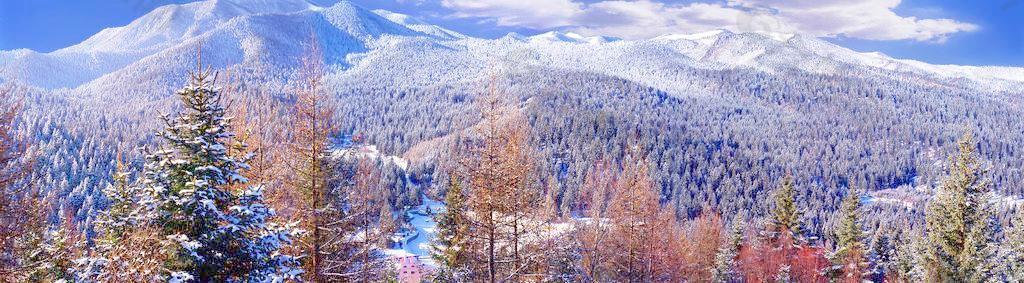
[(984, 32)]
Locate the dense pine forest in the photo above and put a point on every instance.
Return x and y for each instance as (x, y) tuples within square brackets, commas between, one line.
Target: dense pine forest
[(295, 141), (231, 190)]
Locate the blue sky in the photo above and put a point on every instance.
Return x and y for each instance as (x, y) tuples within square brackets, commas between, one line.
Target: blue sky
[(985, 32)]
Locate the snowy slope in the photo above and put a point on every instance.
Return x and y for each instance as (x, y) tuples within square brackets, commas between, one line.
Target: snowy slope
[(379, 47), (272, 42), (115, 48)]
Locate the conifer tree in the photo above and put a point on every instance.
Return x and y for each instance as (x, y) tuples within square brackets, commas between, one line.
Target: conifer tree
[(850, 255), (360, 258), (786, 217), (725, 260), (449, 244), (883, 256), (785, 229), (58, 253), (112, 226), (120, 215), (911, 260), (223, 235), (593, 235), (960, 223), (137, 257), (783, 275), (1014, 249)]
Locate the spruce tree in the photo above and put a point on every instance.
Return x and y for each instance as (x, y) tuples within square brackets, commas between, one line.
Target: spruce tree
[(57, 254), (786, 217), (725, 259), (223, 235), (785, 228), (1014, 249), (112, 226), (120, 215), (960, 223), (883, 256), (448, 245), (850, 255)]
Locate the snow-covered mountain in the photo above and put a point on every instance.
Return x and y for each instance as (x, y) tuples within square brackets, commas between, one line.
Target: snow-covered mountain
[(719, 109), (383, 47)]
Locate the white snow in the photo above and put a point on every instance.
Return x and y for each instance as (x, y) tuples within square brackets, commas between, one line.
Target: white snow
[(370, 152), (568, 37), (408, 52)]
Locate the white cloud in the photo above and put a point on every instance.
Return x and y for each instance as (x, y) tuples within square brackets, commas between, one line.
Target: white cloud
[(864, 19), (539, 14)]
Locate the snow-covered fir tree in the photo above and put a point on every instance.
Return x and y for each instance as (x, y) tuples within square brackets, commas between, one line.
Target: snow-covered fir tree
[(54, 260), (1013, 250), (447, 247), (883, 256), (112, 225), (849, 261), (960, 222), (223, 235), (725, 260), (786, 217)]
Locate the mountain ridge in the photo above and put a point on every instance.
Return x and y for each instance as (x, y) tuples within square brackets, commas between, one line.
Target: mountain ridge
[(171, 26)]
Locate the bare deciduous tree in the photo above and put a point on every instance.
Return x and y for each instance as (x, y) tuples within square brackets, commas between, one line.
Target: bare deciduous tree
[(21, 208)]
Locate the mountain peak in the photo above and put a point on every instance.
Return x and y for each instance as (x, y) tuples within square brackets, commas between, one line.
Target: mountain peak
[(419, 25), (362, 23), (170, 24), (692, 36), (777, 36), (571, 37)]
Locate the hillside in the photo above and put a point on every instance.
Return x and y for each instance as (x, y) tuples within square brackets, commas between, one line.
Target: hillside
[(722, 115)]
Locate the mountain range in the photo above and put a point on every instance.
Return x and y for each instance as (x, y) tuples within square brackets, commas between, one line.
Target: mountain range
[(359, 43), (724, 115)]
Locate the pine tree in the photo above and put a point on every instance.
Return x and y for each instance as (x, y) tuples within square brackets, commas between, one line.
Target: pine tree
[(960, 223), (449, 243), (58, 253), (112, 226), (725, 260), (850, 255), (883, 256), (786, 217), (223, 235), (785, 228), (911, 261), (120, 215), (1014, 249)]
